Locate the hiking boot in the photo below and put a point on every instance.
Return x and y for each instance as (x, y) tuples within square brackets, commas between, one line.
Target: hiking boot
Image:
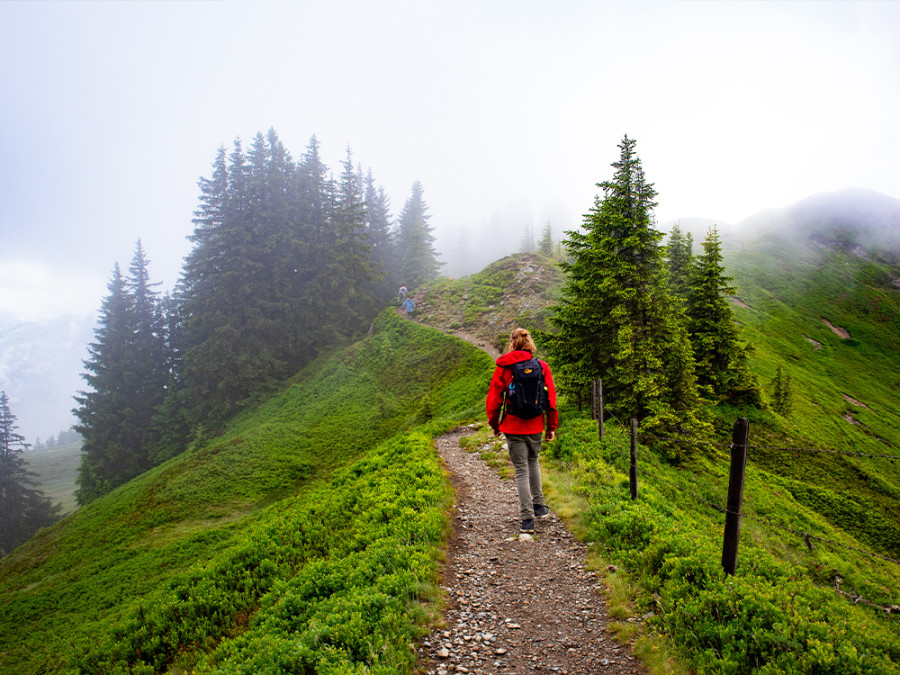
[(527, 526), (541, 511)]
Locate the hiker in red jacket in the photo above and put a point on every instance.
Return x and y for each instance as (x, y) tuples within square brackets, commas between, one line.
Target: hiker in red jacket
[(523, 435)]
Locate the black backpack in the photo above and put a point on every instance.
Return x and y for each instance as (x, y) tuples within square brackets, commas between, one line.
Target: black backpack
[(526, 394)]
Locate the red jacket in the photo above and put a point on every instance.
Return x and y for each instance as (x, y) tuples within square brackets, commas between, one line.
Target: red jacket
[(512, 424)]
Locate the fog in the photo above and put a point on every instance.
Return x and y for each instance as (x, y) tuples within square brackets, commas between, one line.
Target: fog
[(508, 113)]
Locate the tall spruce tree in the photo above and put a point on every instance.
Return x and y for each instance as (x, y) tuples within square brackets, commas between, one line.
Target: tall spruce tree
[(680, 261), (24, 508), (127, 373), (722, 367), (545, 245), (617, 320), (416, 257), (378, 231)]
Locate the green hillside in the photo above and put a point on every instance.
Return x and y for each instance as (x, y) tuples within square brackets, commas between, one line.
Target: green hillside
[(307, 537), (781, 612), (304, 538)]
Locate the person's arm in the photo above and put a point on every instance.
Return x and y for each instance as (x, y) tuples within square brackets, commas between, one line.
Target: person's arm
[(552, 415), (494, 404)]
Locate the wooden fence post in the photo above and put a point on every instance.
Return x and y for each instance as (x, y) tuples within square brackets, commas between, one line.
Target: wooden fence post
[(632, 474), (739, 439), (600, 408)]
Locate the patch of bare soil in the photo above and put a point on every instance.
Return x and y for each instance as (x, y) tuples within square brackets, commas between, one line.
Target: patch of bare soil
[(842, 333), (815, 343), (740, 303), (515, 605), (858, 404)]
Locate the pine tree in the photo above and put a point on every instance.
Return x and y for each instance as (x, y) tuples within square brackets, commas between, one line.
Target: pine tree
[(416, 256), (545, 245), (680, 261), (616, 320), (722, 365), (378, 232), (783, 397), (104, 462), (127, 373), (24, 509), (528, 244), (282, 266)]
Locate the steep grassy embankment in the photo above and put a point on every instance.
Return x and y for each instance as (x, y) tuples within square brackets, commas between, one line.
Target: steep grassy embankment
[(846, 389), (302, 539)]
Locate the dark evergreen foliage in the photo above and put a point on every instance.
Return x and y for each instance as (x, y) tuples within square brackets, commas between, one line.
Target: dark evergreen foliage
[(378, 231), (721, 360), (783, 392), (24, 509), (416, 257), (127, 371), (680, 261), (285, 262), (545, 245), (617, 320)]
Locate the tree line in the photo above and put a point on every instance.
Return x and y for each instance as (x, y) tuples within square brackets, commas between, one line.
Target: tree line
[(286, 261), (652, 321), (24, 508)]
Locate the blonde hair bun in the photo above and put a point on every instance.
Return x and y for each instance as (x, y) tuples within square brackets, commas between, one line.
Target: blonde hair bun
[(520, 339)]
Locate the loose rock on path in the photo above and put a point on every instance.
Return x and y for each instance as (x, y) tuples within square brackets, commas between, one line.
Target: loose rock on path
[(515, 605)]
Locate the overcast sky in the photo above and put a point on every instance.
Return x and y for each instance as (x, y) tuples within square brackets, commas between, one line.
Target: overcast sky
[(509, 113)]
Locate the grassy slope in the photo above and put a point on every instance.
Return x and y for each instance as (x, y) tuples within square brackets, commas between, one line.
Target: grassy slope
[(845, 392), (670, 542), (195, 554)]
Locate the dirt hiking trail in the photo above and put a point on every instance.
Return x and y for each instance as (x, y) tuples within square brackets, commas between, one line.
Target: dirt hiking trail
[(515, 605)]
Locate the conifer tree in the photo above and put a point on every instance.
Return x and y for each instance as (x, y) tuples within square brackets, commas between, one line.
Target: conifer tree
[(282, 266), (616, 319), (783, 396), (528, 244), (722, 366), (127, 373), (24, 509), (680, 261), (545, 245), (416, 256), (378, 231), (350, 270)]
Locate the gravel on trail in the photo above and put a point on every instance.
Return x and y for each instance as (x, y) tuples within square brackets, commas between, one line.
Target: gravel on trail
[(515, 604)]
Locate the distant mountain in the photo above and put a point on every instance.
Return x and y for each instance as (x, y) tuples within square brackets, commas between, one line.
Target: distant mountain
[(40, 370), (860, 222)]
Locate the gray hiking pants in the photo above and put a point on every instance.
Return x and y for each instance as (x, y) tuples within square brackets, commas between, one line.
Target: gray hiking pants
[(523, 451)]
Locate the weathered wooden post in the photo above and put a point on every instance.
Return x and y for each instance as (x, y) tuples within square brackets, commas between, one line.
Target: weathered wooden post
[(632, 474), (600, 409), (739, 439), (593, 399)]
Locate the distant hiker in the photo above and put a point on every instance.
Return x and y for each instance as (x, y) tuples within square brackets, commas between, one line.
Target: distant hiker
[(521, 402), (409, 306), (402, 293)]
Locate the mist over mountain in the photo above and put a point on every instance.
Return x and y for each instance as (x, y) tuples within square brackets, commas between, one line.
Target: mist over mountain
[(856, 221), (40, 370)]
